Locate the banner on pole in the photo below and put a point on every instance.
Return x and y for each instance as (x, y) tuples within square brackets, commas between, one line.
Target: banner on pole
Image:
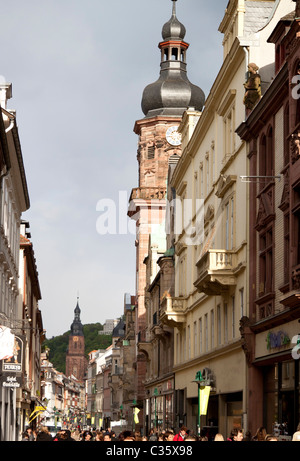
[(204, 398), (136, 415)]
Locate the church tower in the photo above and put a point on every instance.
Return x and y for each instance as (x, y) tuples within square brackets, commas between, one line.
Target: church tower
[(163, 104), (76, 362)]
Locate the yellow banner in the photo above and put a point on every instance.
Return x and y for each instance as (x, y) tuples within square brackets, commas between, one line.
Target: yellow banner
[(136, 417), (37, 409), (204, 398)]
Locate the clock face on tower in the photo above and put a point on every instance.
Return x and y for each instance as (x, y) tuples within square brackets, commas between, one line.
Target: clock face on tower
[(75, 339), (172, 136)]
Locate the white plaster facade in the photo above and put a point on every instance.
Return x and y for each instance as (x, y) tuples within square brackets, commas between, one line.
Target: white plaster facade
[(211, 269)]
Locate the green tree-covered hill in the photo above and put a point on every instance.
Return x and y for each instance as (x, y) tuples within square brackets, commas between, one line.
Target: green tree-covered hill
[(58, 345)]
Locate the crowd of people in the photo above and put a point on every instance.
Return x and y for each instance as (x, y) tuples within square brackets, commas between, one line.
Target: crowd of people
[(183, 435)]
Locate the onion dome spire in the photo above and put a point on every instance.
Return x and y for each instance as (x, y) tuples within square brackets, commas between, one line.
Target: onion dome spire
[(76, 327), (172, 93), (173, 29)]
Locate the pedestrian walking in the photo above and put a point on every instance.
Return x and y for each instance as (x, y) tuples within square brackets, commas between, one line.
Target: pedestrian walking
[(236, 435), (25, 437), (152, 435), (260, 435), (87, 436), (181, 434), (30, 434), (44, 435)]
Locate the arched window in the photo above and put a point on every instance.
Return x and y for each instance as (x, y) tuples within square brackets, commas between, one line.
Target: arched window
[(286, 132)]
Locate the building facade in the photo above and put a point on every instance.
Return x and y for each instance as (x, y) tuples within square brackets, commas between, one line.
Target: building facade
[(31, 329), (163, 104), (211, 252), (271, 328), (19, 287), (62, 397)]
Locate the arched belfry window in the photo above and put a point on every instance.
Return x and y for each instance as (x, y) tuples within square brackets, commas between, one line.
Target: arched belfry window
[(174, 54)]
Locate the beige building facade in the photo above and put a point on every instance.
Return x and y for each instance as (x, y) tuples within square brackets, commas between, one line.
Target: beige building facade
[(211, 262)]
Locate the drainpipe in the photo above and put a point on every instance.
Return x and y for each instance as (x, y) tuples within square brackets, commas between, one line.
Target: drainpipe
[(246, 51), (245, 410), (7, 167)]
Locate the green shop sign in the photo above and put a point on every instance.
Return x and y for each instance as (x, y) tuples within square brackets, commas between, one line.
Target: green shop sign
[(277, 340)]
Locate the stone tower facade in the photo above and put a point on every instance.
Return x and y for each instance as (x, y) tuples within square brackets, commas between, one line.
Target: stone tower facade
[(76, 362), (163, 104)]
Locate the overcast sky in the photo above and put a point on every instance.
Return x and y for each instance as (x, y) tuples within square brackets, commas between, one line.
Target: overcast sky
[(78, 70)]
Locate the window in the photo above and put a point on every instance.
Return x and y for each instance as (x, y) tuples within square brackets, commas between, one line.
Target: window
[(182, 277), (229, 132), (189, 341), (229, 224), (212, 326), (195, 339), (174, 54), (233, 316), (225, 323), (242, 302), (266, 262), (206, 332), (219, 325), (200, 336), (213, 156), (201, 195), (150, 152), (207, 174), (266, 158), (286, 247)]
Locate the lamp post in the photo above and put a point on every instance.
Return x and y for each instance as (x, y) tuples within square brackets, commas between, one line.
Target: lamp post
[(199, 379), (155, 408)]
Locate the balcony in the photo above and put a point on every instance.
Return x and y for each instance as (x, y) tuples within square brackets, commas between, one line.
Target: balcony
[(148, 193), (172, 311), (217, 270)]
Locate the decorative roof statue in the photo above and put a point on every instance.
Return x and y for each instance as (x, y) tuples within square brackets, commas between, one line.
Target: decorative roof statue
[(252, 87)]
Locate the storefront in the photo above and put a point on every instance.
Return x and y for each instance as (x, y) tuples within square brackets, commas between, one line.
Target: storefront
[(281, 396), (279, 368), (160, 406)]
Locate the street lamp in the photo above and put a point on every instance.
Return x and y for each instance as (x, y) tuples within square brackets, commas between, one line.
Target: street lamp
[(204, 383), (199, 379), (155, 408)]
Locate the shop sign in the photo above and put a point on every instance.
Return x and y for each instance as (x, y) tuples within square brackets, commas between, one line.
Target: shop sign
[(11, 380), (6, 343), (14, 362), (277, 340)]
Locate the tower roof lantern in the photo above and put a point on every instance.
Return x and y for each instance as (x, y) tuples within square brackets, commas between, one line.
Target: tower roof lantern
[(173, 29), (172, 93)]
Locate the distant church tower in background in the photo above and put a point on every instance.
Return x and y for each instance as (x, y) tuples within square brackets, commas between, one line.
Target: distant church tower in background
[(76, 362)]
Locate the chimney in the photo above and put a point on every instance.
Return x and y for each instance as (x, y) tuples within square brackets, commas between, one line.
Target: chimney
[(5, 94)]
